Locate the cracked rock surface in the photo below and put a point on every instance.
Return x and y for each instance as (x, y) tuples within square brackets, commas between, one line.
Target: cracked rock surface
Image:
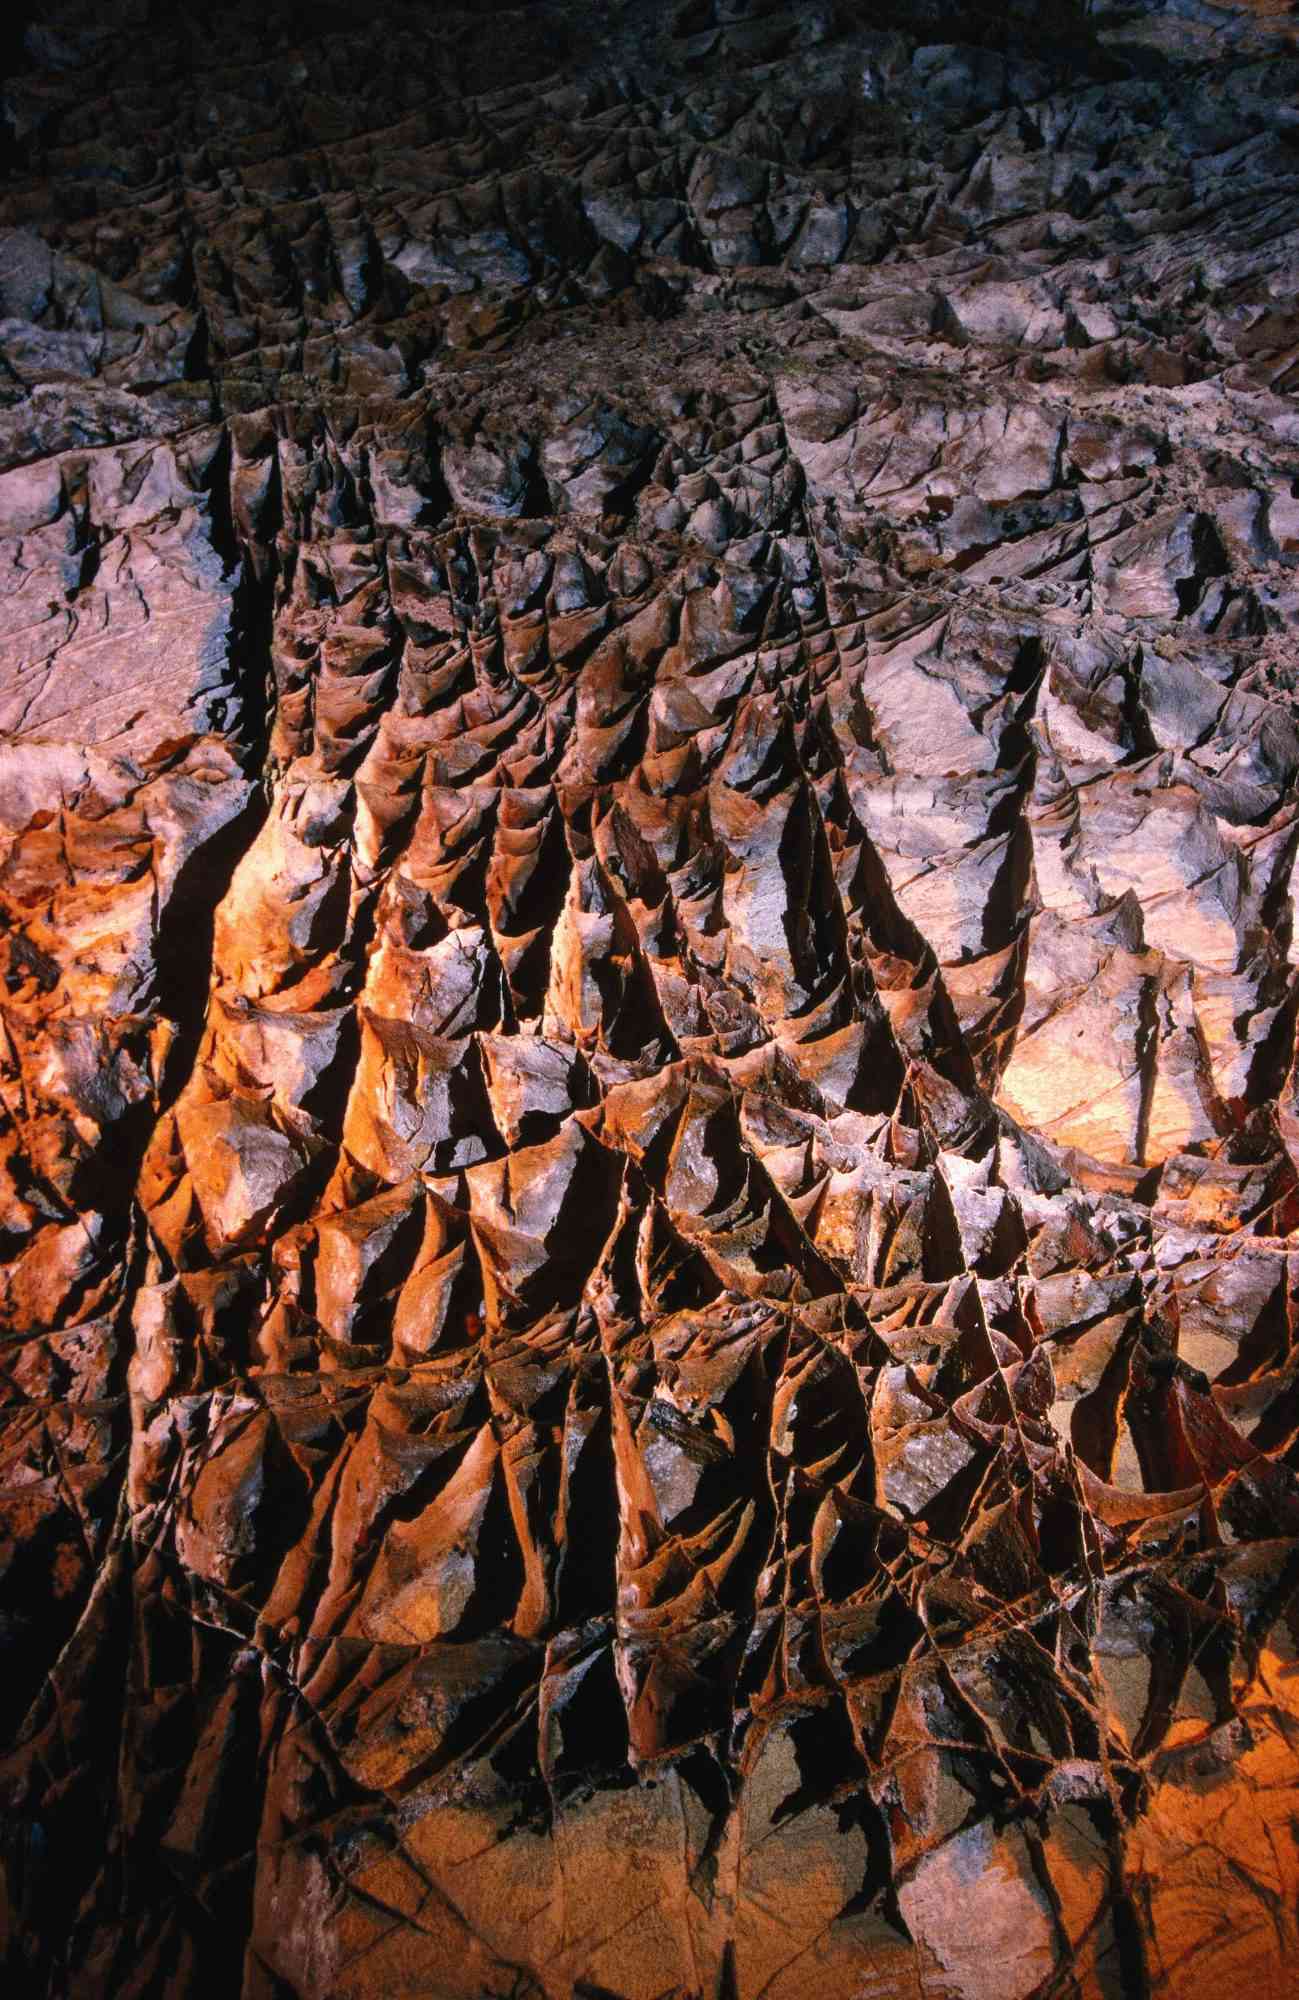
[(649, 1135)]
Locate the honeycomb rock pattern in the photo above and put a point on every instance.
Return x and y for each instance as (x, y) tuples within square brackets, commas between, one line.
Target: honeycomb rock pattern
[(649, 1140)]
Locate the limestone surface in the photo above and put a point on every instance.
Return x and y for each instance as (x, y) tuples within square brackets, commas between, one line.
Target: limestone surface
[(649, 1134)]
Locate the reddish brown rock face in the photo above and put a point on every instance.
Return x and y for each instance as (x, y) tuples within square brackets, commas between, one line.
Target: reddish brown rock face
[(647, 1002)]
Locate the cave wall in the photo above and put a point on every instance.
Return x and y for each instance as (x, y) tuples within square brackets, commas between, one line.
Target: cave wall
[(648, 1129)]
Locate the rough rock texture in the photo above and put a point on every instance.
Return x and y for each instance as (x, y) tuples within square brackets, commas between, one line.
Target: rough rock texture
[(649, 1142)]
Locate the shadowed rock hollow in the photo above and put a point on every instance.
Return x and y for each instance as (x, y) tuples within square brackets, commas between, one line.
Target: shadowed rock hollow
[(648, 1128)]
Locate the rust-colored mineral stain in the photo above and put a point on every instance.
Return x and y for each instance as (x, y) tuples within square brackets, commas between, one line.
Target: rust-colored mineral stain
[(648, 1127)]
